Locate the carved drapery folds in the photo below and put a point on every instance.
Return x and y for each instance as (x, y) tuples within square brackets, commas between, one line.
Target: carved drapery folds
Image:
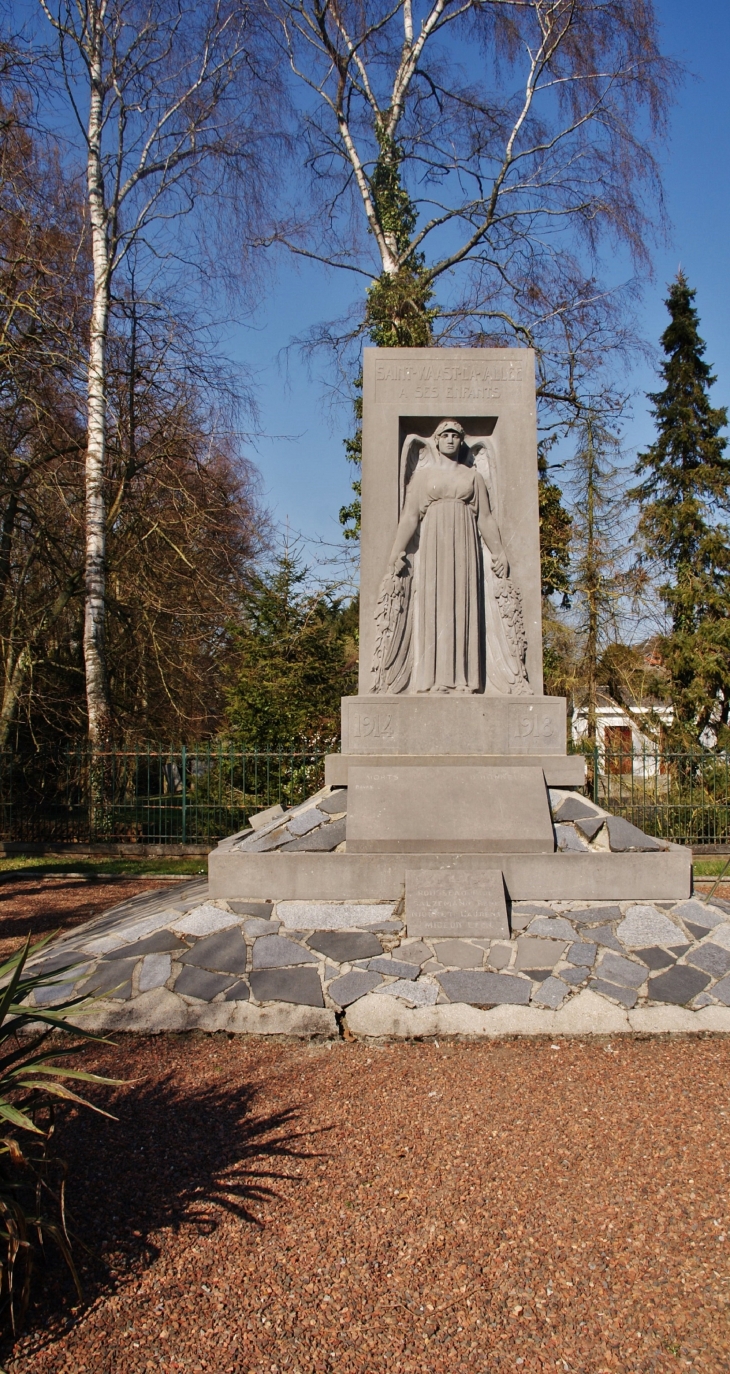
[(449, 617)]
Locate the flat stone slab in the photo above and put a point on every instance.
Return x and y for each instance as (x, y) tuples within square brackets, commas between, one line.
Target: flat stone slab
[(573, 808), (204, 920), (594, 915), (582, 953), (155, 971), (223, 952), (590, 827), (532, 953), (552, 928), (623, 836), (333, 915), (485, 989), (550, 993), (299, 985), (655, 958), (394, 968), (418, 994), (679, 985), (200, 983), (458, 954), (712, 959), (444, 902), (699, 913), (568, 840), (414, 952), (345, 946), (351, 986), (303, 821), (614, 968), (626, 997), (644, 925), (108, 977), (275, 951), (335, 803), (573, 976)]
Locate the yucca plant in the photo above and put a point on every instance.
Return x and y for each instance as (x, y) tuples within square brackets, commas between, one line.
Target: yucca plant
[(32, 1179)]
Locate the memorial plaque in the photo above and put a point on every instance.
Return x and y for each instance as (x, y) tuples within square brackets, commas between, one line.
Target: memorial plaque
[(444, 901)]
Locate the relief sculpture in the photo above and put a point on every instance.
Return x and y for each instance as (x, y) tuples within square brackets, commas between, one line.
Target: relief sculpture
[(449, 617)]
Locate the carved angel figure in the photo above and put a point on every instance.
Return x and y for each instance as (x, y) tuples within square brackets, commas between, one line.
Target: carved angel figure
[(448, 618)]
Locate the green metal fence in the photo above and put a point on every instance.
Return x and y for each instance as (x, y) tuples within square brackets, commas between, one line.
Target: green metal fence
[(160, 794), (147, 794), (684, 797)]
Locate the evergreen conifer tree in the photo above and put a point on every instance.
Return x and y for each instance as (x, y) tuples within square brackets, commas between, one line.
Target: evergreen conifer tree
[(684, 491)]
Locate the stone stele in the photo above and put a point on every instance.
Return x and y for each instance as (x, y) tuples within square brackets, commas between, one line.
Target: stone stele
[(449, 902)]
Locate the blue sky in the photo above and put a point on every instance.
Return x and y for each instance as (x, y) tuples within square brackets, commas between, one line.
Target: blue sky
[(304, 475)]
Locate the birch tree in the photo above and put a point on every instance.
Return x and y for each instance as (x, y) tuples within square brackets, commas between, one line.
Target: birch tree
[(486, 149), (170, 105)]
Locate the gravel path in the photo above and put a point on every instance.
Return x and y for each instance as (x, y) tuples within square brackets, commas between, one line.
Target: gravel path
[(41, 905), (271, 1207)]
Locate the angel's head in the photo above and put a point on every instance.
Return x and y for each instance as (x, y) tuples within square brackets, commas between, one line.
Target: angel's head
[(448, 437)]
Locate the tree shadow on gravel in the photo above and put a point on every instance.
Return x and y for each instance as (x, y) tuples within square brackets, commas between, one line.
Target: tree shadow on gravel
[(177, 1156)]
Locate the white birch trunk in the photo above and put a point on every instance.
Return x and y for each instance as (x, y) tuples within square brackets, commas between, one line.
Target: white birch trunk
[(97, 692)]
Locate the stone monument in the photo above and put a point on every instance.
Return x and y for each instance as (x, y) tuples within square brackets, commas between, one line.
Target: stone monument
[(450, 748)]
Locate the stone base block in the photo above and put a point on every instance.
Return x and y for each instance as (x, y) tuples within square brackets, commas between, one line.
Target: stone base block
[(453, 724), (568, 770), (448, 810), (589, 877)]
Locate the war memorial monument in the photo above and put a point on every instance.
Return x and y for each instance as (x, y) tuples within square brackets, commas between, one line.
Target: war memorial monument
[(450, 877)]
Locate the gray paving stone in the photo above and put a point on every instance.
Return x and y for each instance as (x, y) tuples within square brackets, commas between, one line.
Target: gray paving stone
[(538, 975), (304, 821), (721, 904), (655, 958), (262, 842), (198, 982), (205, 920), (394, 968), (499, 956), (626, 997), (644, 925), (107, 975), (335, 803), (383, 927), (419, 994), (536, 953), (615, 969), (553, 928), (623, 836), (320, 841), (604, 936), (703, 999), (300, 985), (590, 828), (161, 942), (573, 976), (223, 952), (698, 932), (721, 991), (568, 840), (238, 993), (68, 958), (582, 953), (53, 993), (256, 927), (550, 994), (343, 946), (573, 809), (414, 952), (264, 910), (678, 985), (298, 915), (486, 989), (275, 951), (155, 971), (351, 986), (712, 958), (594, 915), (458, 954), (699, 913)]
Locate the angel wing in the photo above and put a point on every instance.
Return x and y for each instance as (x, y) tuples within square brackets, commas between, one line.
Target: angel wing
[(484, 459), (416, 452)]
